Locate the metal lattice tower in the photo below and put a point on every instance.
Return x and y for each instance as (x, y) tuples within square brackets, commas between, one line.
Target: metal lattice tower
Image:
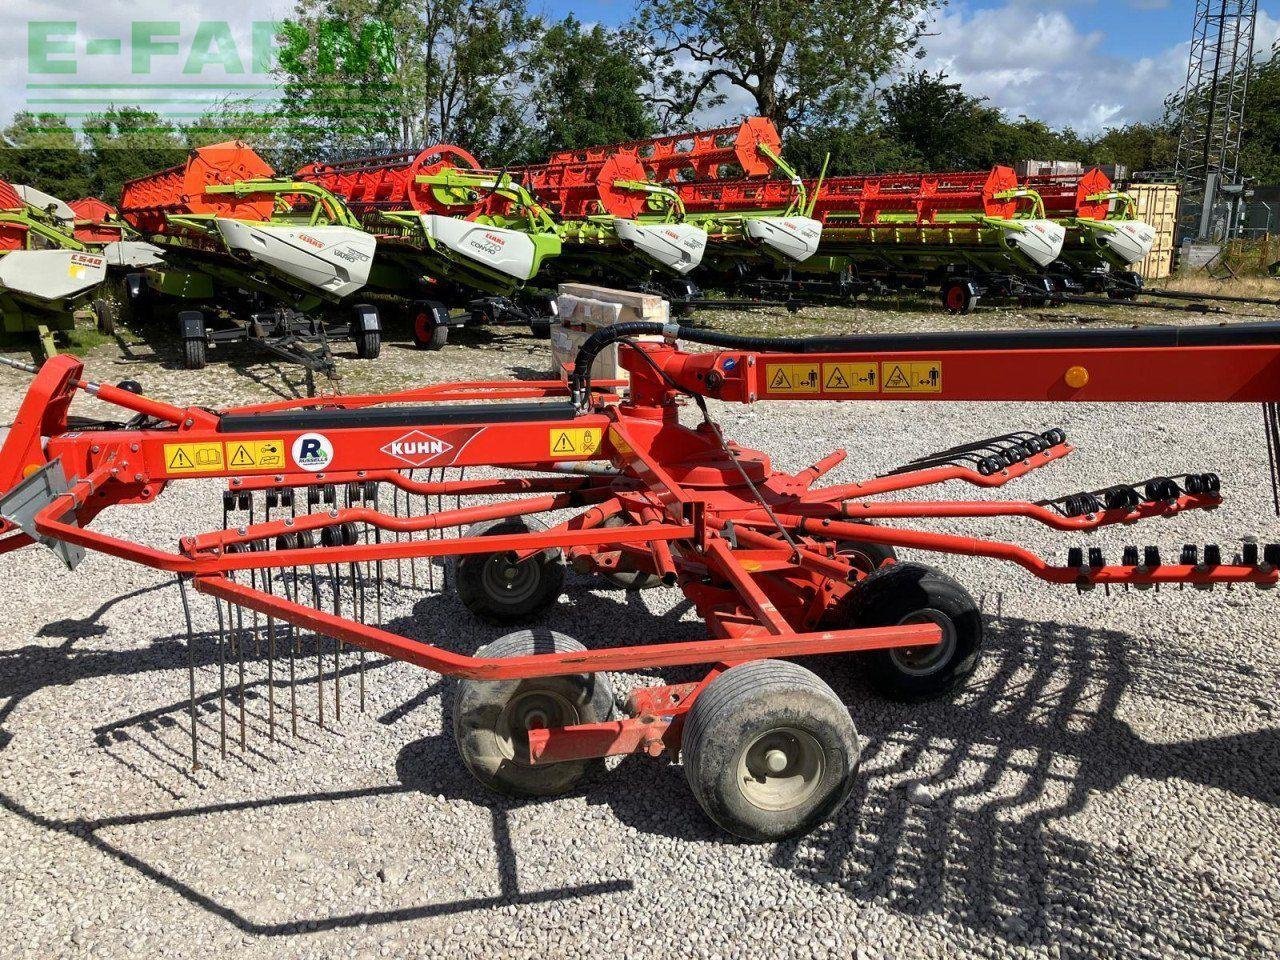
[(1213, 106)]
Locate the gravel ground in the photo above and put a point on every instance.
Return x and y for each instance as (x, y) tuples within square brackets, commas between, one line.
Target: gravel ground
[(1106, 786)]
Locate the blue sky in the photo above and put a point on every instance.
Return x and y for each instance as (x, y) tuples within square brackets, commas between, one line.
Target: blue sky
[(1087, 63)]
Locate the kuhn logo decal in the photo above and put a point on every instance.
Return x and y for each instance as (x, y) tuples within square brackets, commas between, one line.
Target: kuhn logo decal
[(417, 448)]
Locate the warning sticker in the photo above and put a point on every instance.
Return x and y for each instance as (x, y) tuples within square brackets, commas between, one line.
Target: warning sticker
[(193, 457), (850, 378), (256, 454), (792, 378), (923, 376), (574, 443)]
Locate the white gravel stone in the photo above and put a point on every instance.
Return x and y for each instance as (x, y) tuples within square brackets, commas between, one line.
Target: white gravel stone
[(1110, 773)]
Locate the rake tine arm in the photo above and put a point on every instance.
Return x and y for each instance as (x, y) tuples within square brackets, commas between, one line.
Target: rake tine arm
[(933, 475), (433, 521), (973, 509), (1029, 561)]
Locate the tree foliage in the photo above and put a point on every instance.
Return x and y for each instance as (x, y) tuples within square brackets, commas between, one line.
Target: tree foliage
[(42, 149), (798, 62), (584, 89), (368, 74), (127, 142)]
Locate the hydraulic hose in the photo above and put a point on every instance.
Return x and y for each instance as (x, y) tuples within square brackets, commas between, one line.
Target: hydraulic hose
[(1241, 334)]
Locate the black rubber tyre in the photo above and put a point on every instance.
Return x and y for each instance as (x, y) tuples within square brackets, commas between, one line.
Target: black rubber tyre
[(959, 297), (541, 329), (497, 590), (625, 577), (490, 718), (428, 332), (769, 751), (368, 344), (106, 312), (867, 557), (915, 593), (194, 353)]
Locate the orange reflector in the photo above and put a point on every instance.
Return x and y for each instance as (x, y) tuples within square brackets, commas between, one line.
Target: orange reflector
[(1077, 377), (29, 469)]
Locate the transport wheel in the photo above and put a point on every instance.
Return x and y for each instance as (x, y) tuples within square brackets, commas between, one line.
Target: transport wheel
[(769, 750), (867, 557), (106, 311), (914, 593), (625, 576), (959, 296), (491, 718), (497, 589), (429, 330), (368, 344), (194, 353)]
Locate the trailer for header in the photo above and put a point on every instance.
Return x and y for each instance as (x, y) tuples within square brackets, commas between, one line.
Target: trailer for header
[(248, 256)]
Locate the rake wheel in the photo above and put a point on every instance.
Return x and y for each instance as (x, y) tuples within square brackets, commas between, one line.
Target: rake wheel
[(491, 719)]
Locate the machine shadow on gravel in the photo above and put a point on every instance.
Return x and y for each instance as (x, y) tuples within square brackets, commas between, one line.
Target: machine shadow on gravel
[(1041, 716)]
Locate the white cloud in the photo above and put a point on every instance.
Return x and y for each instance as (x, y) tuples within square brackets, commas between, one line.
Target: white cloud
[(1035, 61)]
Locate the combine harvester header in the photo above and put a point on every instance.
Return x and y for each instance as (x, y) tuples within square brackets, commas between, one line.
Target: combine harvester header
[(462, 211), (228, 190), (46, 274), (657, 172), (1101, 221)]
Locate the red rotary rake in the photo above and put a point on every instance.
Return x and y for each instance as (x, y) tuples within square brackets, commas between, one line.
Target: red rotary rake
[(777, 566)]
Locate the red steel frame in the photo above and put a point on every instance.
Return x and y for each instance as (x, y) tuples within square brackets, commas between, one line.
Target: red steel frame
[(1084, 196), (690, 516), (704, 154), (96, 221), (389, 182), (147, 202)]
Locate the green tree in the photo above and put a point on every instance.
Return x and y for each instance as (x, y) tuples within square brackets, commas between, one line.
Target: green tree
[(1260, 145), (42, 150), (126, 143), (863, 146), (360, 75), (1139, 146), (584, 88), (801, 62)]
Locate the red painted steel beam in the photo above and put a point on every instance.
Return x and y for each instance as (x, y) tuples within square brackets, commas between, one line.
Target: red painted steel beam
[(619, 659)]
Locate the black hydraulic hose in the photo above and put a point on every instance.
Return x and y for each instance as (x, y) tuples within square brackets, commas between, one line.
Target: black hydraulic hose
[(1241, 334)]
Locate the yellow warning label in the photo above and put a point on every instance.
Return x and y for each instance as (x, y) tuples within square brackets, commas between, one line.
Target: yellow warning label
[(619, 442), (193, 457), (923, 376), (255, 454), (792, 378), (581, 442), (850, 378)]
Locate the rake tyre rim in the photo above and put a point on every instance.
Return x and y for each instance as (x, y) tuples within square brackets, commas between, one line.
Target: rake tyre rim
[(508, 582), (769, 751), (499, 589), (922, 661), (906, 593), (781, 768), (492, 719)]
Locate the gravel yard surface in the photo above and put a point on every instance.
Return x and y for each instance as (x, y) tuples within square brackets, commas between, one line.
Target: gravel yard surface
[(1107, 785)]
